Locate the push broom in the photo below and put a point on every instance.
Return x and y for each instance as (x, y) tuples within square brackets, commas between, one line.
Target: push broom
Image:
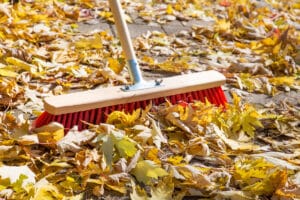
[(93, 106)]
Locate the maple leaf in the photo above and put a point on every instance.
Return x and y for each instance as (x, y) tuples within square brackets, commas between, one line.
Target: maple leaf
[(239, 118), (115, 143), (259, 176), (125, 147), (45, 190), (146, 170), (116, 65), (121, 119), (163, 190), (249, 120), (137, 192), (50, 138), (74, 139)]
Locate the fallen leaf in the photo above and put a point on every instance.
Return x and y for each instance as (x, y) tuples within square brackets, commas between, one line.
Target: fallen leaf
[(146, 170), (74, 139)]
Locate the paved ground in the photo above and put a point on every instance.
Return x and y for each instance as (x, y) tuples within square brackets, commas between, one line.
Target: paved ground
[(139, 27)]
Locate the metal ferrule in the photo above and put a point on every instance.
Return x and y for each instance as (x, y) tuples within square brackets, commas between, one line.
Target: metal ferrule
[(134, 71), (136, 76)]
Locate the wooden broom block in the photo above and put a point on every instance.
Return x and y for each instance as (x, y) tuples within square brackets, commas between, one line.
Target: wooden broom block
[(99, 98)]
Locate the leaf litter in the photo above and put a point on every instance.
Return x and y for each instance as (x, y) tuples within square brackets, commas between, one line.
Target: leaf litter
[(248, 151)]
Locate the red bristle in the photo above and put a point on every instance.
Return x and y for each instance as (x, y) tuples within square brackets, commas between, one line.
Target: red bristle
[(92, 116), (120, 107), (195, 95), (57, 118), (126, 108), (178, 97), (111, 108), (211, 98), (98, 116), (155, 101), (137, 105), (131, 106), (201, 96), (75, 118), (41, 119), (144, 104), (190, 97), (105, 113), (205, 95), (215, 92), (181, 97), (64, 119), (85, 119), (69, 122), (222, 96), (217, 96), (79, 120), (172, 99)]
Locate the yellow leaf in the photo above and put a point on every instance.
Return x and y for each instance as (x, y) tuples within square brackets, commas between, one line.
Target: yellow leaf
[(107, 15), (296, 5), (276, 49), (146, 170), (20, 64), (8, 73), (176, 146), (268, 185), (169, 9), (90, 43), (283, 81), (47, 192), (269, 41), (234, 144), (126, 148), (148, 60), (115, 65), (193, 176), (223, 25), (120, 187), (250, 120), (152, 154), (179, 65), (197, 146), (178, 7), (267, 178), (239, 118), (163, 190), (70, 184), (138, 193), (51, 138), (121, 119), (175, 160)]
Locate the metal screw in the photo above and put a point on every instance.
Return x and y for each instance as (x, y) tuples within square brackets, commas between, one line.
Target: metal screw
[(158, 82)]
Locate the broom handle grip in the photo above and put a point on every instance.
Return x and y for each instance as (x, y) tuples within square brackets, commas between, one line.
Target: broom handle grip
[(124, 36)]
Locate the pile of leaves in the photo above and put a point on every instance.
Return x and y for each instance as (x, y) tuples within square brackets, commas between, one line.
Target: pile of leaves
[(246, 151)]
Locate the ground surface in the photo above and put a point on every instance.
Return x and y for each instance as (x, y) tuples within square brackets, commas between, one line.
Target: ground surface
[(250, 150)]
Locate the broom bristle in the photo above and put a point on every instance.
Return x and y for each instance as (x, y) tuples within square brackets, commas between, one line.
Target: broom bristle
[(98, 115)]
